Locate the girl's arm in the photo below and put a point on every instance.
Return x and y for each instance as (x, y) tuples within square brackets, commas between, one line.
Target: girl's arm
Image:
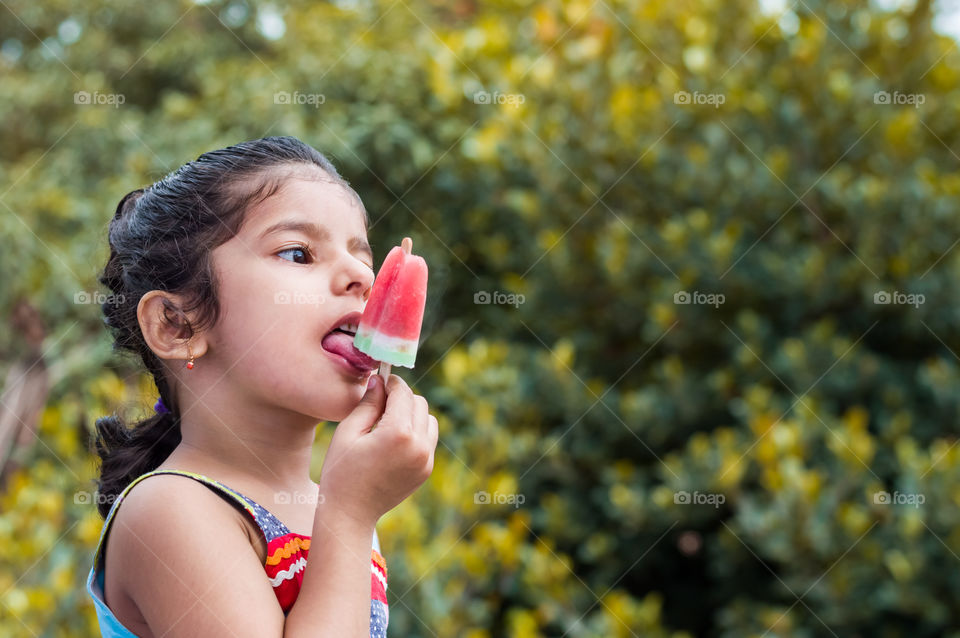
[(188, 565), (380, 454), (334, 599), (183, 557)]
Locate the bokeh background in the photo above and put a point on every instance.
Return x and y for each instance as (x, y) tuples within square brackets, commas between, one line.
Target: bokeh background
[(691, 332)]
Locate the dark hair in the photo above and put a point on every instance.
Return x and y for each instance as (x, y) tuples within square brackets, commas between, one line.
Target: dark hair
[(161, 238)]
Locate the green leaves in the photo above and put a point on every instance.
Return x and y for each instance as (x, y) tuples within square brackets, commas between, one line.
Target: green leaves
[(698, 204)]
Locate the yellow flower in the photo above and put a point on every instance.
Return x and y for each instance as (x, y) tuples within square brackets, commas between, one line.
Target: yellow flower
[(522, 623)]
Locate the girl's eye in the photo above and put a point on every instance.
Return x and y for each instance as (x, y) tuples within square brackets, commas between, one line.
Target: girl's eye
[(299, 253)]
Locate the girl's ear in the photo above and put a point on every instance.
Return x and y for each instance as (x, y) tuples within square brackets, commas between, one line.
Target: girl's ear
[(166, 329)]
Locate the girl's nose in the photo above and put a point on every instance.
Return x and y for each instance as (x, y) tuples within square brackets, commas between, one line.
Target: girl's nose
[(354, 277)]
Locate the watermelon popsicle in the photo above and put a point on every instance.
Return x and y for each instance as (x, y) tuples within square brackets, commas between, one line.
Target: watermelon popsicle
[(389, 329)]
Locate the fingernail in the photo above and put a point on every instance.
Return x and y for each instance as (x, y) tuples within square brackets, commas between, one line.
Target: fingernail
[(374, 380)]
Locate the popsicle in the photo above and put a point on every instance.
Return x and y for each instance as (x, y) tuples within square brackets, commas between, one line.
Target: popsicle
[(389, 329)]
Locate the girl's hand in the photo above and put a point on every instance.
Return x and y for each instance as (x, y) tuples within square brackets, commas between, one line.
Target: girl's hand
[(369, 470)]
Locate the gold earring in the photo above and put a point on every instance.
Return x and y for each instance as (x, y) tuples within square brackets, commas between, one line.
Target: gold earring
[(190, 362)]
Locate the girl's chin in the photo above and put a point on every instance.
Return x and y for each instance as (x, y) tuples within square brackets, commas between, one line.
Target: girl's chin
[(335, 411)]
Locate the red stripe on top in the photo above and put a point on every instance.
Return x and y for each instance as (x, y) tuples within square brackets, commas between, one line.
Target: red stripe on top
[(288, 570)]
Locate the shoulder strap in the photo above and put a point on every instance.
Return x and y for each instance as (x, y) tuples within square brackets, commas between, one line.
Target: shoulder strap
[(219, 487)]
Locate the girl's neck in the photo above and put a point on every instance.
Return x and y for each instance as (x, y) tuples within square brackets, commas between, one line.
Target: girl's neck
[(226, 432), (277, 468)]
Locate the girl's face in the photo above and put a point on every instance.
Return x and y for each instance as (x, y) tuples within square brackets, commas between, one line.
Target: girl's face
[(298, 268)]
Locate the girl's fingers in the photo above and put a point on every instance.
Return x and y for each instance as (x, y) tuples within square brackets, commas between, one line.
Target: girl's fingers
[(421, 410), (433, 430), (432, 436), (399, 405)]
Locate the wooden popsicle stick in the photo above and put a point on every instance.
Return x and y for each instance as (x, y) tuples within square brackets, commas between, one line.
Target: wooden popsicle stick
[(406, 246), (384, 372)]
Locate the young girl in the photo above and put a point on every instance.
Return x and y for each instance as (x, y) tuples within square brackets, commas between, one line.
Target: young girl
[(233, 279)]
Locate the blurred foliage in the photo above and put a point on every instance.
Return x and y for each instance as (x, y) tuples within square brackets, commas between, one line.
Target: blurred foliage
[(598, 198)]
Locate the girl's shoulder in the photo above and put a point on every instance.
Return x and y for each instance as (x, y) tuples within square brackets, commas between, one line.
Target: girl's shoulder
[(164, 510), (168, 493), (172, 534)]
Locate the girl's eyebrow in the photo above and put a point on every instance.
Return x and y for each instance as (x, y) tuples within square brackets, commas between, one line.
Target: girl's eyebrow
[(318, 232)]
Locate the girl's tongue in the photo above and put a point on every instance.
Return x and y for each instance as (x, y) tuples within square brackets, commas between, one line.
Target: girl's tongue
[(341, 343)]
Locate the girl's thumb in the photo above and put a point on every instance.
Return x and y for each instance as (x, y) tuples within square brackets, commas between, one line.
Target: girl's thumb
[(370, 408)]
